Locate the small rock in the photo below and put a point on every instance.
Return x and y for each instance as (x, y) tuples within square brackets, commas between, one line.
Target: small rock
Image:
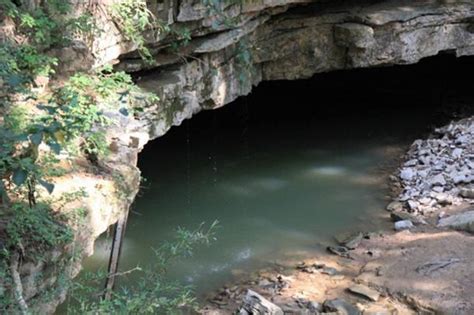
[(353, 241), (413, 205), (341, 307), (407, 174), (395, 206), (338, 277), (329, 271), (380, 272), (411, 162), (442, 198), (264, 283), (365, 291), (438, 180), (438, 189), (338, 250), (457, 153), (403, 225), (467, 193), (402, 216), (314, 307), (426, 201)]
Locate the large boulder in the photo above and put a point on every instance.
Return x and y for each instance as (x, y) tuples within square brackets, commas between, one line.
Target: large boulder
[(461, 222)]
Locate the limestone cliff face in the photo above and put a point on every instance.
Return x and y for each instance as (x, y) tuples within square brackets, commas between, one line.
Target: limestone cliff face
[(270, 40), (293, 40)]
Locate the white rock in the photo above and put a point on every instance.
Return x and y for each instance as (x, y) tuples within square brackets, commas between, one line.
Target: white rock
[(403, 225), (463, 222), (438, 180), (407, 174), (254, 303), (467, 192), (457, 153), (413, 205), (363, 290)]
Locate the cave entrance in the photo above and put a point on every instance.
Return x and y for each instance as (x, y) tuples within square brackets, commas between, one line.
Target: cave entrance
[(288, 167)]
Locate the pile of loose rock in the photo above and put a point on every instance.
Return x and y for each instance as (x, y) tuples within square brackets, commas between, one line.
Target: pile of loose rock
[(439, 171)]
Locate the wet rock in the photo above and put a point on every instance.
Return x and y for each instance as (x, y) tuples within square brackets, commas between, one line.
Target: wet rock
[(340, 307), (461, 222), (254, 303), (307, 268), (365, 291), (339, 251), (352, 241), (403, 225)]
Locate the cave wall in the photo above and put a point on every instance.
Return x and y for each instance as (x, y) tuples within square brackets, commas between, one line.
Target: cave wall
[(270, 40), (292, 43)]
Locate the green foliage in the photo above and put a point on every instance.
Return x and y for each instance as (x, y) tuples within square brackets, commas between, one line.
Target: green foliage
[(49, 25), (39, 130), (133, 18), (36, 229), (19, 65), (6, 298), (152, 293), (104, 83), (18, 159)]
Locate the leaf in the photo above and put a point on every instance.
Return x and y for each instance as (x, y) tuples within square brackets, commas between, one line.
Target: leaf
[(21, 137), (49, 187), (124, 111), (19, 176), (59, 136), (14, 80), (55, 147), (36, 138), (50, 109)]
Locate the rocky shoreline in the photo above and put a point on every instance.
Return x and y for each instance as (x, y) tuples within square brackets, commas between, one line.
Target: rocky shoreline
[(425, 265)]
